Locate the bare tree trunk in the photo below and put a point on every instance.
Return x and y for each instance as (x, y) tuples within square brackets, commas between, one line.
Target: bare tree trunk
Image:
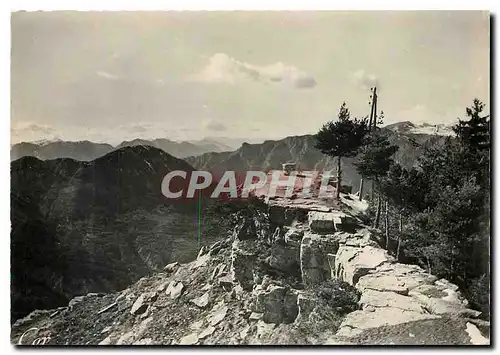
[(379, 207), (361, 185), (339, 177), (400, 236), (373, 192), (387, 222)]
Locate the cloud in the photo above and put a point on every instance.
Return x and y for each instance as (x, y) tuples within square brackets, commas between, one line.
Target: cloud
[(222, 68), (106, 75), (366, 80), (215, 126), (138, 128), (28, 131)]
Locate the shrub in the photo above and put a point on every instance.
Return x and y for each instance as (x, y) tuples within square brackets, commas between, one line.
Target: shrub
[(339, 295)]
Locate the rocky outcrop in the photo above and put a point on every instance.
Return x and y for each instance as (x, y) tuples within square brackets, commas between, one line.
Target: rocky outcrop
[(443, 298), (396, 277), (293, 285), (316, 256), (353, 262), (276, 303), (243, 260)]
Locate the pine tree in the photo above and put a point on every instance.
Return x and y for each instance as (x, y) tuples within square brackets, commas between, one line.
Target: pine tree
[(341, 138), (475, 132), (448, 230), (374, 161), (404, 189)]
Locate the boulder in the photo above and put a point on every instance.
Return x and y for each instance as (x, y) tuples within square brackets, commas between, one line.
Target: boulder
[(445, 284), (277, 304), (202, 301), (314, 260), (174, 289), (361, 238), (351, 262), (171, 267), (142, 302), (139, 306), (311, 260), (218, 314), (197, 325), (162, 287), (290, 307), (322, 222), (285, 258)]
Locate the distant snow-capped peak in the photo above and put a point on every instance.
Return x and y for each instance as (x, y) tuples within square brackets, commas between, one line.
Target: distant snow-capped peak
[(421, 128)]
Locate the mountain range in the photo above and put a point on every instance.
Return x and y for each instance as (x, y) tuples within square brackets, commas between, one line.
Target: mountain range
[(87, 151), (300, 150), (83, 226), (79, 227)]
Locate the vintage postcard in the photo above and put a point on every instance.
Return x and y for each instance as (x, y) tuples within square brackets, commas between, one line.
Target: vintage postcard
[(247, 178)]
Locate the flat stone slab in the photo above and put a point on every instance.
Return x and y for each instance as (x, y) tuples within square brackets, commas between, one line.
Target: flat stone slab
[(320, 222), (438, 299), (366, 319), (371, 298), (399, 278), (438, 331), (351, 263)]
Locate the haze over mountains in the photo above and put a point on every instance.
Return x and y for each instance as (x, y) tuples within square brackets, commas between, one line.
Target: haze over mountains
[(87, 150)]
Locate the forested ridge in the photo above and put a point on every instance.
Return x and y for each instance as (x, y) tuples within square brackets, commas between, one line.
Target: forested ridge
[(437, 213)]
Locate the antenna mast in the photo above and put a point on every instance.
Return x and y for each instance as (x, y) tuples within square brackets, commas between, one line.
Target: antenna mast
[(373, 112)]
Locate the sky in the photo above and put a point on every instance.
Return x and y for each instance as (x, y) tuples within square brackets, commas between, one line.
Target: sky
[(114, 76)]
